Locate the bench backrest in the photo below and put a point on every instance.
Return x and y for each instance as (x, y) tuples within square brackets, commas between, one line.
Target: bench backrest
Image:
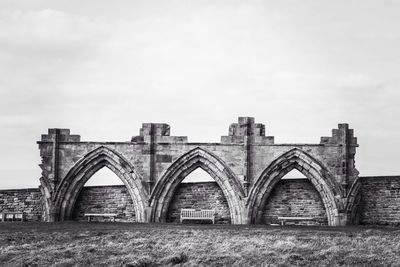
[(296, 218), (192, 213), (11, 216), (101, 214)]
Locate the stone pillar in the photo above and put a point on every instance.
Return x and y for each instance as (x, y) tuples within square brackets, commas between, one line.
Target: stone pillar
[(341, 220), (247, 133), (49, 147), (346, 172), (150, 135)]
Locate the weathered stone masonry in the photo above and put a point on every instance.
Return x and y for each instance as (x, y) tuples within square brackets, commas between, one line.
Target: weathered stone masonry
[(246, 165), (379, 202), (28, 201), (105, 199), (294, 197), (202, 195)]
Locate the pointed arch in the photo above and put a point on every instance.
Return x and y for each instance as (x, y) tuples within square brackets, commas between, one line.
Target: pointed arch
[(353, 203), (319, 176), (215, 167), (81, 172)]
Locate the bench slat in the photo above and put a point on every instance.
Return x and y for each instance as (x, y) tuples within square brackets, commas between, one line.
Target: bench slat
[(295, 218), (192, 214), (283, 219), (12, 216), (101, 214), (90, 215)]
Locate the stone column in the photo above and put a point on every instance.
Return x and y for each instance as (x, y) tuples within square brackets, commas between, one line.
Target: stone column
[(247, 133), (49, 147), (346, 172)]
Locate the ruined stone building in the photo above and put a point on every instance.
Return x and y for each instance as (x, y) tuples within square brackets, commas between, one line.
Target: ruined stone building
[(247, 167)]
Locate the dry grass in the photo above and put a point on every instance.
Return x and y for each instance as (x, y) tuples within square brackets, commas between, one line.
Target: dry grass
[(118, 244)]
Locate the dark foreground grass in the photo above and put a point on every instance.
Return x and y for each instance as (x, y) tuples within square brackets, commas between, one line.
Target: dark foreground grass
[(119, 244)]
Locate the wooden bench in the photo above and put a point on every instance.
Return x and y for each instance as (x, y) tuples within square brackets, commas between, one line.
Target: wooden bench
[(107, 215), (192, 214), (297, 219), (12, 216)]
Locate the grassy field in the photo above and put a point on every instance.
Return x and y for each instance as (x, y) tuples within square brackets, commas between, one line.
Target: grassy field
[(125, 244)]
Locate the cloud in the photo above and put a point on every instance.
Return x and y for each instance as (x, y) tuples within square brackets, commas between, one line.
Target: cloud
[(49, 30), (298, 67), (38, 46)]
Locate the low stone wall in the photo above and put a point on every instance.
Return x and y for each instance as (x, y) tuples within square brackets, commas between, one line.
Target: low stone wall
[(105, 199), (379, 205), (295, 198), (204, 195), (380, 200), (27, 201)]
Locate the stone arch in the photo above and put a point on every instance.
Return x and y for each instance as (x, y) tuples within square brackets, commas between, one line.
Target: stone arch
[(353, 203), (198, 157), (48, 208), (81, 172), (311, 168)]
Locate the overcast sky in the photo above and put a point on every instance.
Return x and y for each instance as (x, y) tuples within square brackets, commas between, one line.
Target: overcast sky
[(101, 68)]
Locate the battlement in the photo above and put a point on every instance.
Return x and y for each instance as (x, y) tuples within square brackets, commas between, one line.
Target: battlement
[(60, 135), (246, 127), (157, 132), (157, 129), (342, 135)]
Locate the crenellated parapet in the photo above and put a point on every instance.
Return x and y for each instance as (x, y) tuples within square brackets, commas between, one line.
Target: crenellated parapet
[(60, 135), (49, 150), (345, 169), (342, 135), (247, 128), (157, 132)]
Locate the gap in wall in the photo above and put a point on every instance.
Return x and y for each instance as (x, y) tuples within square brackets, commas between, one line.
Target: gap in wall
[(294, 196), (104, 193), (199, 191), (104, 176), (294, 174)]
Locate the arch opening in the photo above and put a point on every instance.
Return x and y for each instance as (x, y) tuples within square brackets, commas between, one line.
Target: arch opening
[(316, 173), (198, 190), (294, 196), (85, 168), (104, 193), (197, 158), (103, 177)]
